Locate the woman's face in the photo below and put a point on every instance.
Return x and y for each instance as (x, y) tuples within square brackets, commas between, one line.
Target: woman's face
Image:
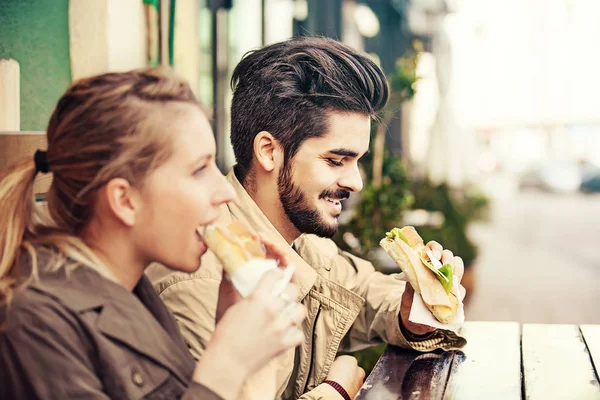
[(184, 193)]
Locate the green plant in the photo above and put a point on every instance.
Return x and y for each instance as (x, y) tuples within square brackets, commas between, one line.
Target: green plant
[(367, 358), (380, 208), (385, 194), (459, 209)]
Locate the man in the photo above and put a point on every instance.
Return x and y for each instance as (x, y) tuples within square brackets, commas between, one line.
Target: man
[(300, 122)]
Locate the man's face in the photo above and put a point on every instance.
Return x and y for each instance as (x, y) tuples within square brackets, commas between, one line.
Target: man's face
[(323, 172)]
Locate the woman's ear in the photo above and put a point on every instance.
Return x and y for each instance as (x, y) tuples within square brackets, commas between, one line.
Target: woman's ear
[(121, 200), (267, 151)]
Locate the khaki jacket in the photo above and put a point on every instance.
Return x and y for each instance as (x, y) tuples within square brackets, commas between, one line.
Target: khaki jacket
[(350, 305)]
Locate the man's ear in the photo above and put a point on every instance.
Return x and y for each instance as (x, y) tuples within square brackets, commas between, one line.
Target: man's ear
[(267, 151), (122, 200)]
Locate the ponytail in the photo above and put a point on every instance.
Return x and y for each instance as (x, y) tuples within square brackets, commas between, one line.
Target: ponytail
[(16, 221)]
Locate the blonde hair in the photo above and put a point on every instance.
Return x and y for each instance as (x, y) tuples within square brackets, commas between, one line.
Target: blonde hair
[(99, 130)]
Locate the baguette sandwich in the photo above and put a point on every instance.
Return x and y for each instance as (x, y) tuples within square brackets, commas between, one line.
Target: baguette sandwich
[(233, 245), (428, 277)]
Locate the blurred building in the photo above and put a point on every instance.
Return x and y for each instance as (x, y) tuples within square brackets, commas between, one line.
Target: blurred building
[(57, 41), (378, 27)]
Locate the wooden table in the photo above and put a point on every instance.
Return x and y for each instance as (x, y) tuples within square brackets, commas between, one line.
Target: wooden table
[(502, 360)]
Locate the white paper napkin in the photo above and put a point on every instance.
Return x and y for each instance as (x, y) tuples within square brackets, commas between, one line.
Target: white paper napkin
[(420, 314), (247, 276)]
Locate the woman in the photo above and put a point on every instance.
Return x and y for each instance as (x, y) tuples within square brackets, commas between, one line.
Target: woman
[(134, 176)]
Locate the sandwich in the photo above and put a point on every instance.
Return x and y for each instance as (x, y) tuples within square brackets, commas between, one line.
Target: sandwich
[(428, 277), (234, 245)]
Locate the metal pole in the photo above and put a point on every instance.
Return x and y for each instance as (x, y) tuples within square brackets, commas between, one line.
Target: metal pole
[(263, 28), (215, 81)]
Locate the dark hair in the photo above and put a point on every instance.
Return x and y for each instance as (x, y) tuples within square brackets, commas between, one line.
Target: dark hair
[(287, 89)]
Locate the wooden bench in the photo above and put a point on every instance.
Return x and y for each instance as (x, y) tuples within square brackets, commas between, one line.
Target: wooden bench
[(502, 360)]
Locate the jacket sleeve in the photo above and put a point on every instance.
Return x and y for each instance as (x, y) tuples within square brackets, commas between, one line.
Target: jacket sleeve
[(43, 356), (379, 319), (321, 392)]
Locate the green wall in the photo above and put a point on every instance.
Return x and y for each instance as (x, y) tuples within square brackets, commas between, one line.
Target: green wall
[(36, 34)]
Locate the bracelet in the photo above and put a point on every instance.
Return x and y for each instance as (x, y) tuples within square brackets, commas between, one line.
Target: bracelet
[(338, 388)]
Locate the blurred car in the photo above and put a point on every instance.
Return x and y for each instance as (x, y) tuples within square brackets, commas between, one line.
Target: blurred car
[(557, 176), (590, 183)]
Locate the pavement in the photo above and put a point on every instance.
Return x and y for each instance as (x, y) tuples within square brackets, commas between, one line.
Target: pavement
[(539, 260)]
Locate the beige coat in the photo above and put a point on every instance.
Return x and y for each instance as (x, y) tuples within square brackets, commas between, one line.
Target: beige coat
[(350, 305)]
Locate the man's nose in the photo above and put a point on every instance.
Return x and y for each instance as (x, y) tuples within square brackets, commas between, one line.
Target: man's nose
[(352, 180)]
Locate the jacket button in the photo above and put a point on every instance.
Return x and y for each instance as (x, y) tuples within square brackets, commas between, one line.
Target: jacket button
[(137, 378)]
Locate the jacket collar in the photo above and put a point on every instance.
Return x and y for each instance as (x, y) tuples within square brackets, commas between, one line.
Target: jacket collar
[(137, 319), (246, 210)]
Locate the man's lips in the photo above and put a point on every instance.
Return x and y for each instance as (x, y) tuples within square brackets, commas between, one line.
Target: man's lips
[(335, 196)]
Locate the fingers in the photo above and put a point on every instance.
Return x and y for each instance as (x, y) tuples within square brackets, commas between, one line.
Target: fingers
[(447, 257), (461, 292), (436, 249), (459, 267), (291, 315), (293, 337), (274, 251), (265, 289), (361, 374), (352, 361), (290, 294), (289, 322), (228, 296)]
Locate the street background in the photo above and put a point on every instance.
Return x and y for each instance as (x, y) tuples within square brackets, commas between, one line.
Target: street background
[(490, 144)]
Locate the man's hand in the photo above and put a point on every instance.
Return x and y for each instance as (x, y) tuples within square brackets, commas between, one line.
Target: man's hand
[(348, 374), (446, 257)]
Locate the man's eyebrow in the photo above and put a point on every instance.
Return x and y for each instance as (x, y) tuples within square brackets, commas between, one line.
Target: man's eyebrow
[(344, 152)]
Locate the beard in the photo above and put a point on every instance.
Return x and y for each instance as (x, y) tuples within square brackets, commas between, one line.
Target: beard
[(306, 219)]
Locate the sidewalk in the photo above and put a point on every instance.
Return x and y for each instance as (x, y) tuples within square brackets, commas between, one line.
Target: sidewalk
[(539, 260)]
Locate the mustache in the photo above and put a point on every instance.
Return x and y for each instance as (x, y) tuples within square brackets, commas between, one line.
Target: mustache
[(335, 194)]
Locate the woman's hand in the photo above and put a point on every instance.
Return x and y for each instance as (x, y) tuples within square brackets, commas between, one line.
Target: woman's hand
[(228, 295), (251, 333)]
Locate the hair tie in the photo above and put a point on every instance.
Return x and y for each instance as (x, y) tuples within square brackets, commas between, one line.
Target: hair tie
[(41, 162)]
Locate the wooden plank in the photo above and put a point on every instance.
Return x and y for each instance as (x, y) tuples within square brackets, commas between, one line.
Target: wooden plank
[(10, 95), (406, 374), (591, 335), (16, 147), (489, 366), (556, 363)]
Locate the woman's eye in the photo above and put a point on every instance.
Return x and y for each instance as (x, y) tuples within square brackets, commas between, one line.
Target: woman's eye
[(199, 170)]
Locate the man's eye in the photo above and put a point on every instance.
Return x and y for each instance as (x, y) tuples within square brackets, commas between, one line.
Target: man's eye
[(334, 162)]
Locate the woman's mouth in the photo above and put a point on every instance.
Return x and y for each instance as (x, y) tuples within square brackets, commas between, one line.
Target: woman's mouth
[(199, 235)]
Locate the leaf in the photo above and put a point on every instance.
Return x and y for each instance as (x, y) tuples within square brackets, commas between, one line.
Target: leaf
[(446, 270), (396, 234), (444, 274)]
